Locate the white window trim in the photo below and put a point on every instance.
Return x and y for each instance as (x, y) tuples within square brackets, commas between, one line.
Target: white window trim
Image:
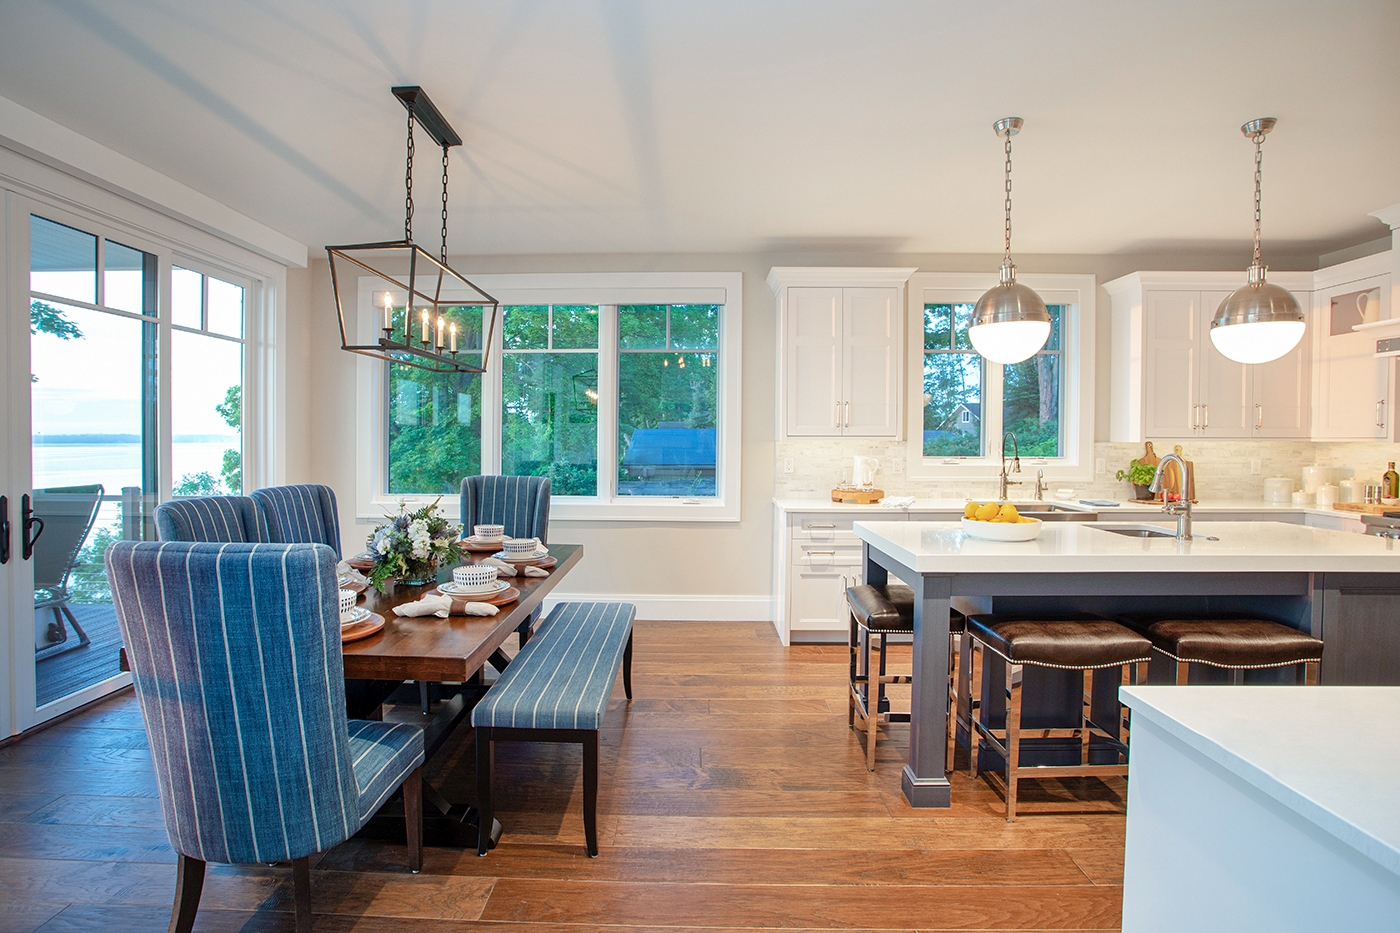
[(603, 289), (1077, 293)]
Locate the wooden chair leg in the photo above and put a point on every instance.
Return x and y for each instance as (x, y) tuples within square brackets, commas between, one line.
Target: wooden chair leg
[(1310, 673), (189, 884), (301, 887), (413, 818), (590, 794), (484, 814), (1183, 671), (627, 667)]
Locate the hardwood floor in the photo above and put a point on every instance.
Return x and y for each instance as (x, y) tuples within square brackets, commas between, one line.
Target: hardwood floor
[(733, 796)]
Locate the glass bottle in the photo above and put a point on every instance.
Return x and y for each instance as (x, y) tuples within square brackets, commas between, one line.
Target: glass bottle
[(1390, 485)]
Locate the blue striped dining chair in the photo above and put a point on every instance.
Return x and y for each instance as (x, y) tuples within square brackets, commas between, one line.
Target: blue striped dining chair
[(303, 514), (211, 518), (521, 503), (235, 655)]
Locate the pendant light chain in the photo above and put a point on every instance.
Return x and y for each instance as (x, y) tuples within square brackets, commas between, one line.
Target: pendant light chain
[(408, 184), (1008, 197), (444, 205), (1258, 179)]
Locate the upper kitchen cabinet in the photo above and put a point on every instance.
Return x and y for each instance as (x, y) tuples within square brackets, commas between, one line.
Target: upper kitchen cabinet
[(841, 348), (1169, 382), (1353, 396)]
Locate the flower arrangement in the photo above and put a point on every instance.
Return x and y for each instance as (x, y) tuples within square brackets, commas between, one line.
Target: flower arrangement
[(411, 546)]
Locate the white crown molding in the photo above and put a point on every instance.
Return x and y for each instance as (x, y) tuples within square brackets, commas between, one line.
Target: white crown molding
[(37, 137), (1389, 215)]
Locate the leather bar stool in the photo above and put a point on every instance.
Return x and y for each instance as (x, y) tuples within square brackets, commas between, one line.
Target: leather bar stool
[(1238, 645), (875, 613), (1084, 645)]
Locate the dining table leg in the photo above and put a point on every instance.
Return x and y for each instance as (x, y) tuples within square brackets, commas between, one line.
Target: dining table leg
[(925, 779)]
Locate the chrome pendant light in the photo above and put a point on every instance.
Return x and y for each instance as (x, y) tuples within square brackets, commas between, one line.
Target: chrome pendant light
[(1259, 322), (1010, 323), (420, 289)]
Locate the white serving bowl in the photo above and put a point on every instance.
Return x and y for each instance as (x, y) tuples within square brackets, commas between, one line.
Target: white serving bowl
[(1000, 531)]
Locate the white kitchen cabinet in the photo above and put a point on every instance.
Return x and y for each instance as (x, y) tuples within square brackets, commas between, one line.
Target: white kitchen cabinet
[(1170, 383), (1353, 396), (841, 346)]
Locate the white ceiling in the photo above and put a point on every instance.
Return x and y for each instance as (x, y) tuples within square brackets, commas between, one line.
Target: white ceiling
[(636, 126)]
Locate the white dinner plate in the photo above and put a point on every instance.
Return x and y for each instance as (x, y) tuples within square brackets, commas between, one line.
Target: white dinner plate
[(538, 555), (361, 613), (452, 589)]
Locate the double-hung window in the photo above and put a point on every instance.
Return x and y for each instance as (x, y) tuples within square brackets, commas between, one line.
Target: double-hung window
[(622, 389), (967, 405)]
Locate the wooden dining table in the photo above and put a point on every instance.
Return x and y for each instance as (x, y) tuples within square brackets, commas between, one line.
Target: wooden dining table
[(441, 655)]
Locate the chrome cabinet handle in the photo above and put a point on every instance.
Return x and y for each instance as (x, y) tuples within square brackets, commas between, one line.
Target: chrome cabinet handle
[(1258, 415), (838, 414), (1380, 413), (1205, 411), (1195, 417), (811, 526), (848, 414), (815, 553)]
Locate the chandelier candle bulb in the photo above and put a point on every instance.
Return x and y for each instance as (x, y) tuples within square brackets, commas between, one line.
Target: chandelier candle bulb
[(452, 333), (425, 326), (439, 332), (388, 312)]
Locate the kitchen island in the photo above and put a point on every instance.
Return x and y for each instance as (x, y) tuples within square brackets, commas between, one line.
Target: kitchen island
[(1337, 586)]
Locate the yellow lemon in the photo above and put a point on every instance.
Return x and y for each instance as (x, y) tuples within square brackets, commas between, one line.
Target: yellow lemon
[(1009, 513), (986, 513), (970, 510), (1024, 521)]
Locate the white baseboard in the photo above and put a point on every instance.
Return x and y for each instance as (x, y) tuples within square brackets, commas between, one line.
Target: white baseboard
[(677, 608)]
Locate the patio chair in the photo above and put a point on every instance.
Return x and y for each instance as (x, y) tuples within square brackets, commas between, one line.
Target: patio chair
[(211, 518), (235, 656), (302, 514), (68, 514)]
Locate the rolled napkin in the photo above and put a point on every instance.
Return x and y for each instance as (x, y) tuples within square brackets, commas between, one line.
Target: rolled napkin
[(536, 572), (444, 606), (896, 502), (504, 568)]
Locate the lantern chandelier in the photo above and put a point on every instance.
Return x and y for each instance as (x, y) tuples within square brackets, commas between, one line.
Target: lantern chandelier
[(424, 339)]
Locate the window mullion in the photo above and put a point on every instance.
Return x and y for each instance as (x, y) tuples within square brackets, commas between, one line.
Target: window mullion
[(608, 401)]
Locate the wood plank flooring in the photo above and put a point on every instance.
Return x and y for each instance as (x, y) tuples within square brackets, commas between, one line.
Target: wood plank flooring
[(733, 797)]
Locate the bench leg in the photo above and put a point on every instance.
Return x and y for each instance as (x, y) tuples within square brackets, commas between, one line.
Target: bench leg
[(301, 889), (627, 667), (413, 818), (590, 793), (189, 882), (483, 790)]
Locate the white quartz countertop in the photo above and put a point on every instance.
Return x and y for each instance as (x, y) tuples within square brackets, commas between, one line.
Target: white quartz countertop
[(1284, 741), (1106, 513), (1079, 547)]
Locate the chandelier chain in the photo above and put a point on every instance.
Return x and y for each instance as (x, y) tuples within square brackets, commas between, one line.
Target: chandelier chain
[(1008, 197), (408, 184), (444, 205), (1258, 178)]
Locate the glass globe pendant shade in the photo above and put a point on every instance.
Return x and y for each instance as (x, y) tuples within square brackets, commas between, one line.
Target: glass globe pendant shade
[(1010, 323), (1259, 322)]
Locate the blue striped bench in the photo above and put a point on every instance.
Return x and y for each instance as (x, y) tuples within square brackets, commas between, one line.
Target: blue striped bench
[(556, 690)]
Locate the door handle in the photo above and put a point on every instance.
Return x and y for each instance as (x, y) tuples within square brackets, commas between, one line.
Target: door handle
[(1205, 412), (848, 414), (4, 529), (838, 414), (1258, 415), (1195, 417), (1380, 413), (27, 521)]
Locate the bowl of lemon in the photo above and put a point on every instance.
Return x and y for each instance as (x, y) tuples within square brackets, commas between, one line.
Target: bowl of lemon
[(998, 521)]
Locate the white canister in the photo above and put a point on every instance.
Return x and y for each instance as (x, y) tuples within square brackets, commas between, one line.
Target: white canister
[(1327, 495), (1353, 490), (1278, 489), (1302, 498), (1315, 476)]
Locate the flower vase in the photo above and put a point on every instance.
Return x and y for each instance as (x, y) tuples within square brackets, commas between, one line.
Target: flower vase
[(420, 573)]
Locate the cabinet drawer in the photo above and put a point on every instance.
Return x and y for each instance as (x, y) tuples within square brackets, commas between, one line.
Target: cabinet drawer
[(830, 528), (817, 555)]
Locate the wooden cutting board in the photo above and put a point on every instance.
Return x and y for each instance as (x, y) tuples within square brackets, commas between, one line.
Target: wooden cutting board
[(858, 496), (1365, 508)]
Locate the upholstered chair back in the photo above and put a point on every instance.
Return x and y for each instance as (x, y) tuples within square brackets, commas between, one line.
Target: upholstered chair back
[(235, 654), (520, 503), (302, 514), (233, 519)]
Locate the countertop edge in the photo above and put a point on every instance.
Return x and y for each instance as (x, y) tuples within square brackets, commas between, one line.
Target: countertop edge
[(1338, 826)]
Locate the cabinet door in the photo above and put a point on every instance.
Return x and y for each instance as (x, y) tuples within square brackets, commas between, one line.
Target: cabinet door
[(1171, 341), (813, 362), (1352, 393), (1224, 390), (870, 368), (1283, 394)]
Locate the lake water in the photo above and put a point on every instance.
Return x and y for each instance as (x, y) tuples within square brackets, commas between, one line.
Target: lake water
[(117, 465)]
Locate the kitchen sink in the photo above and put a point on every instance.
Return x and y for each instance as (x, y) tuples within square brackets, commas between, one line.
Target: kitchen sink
[(1136, 531), (1055, 512)]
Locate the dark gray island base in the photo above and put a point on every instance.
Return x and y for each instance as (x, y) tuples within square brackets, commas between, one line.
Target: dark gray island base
[(1357, 615)]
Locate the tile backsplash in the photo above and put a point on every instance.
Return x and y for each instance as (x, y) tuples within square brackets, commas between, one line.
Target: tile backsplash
[(1222, 467)]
